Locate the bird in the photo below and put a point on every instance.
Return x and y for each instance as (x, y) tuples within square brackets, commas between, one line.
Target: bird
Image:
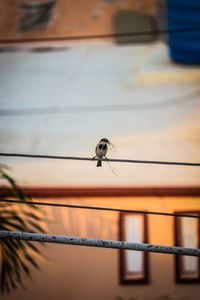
[(101, 150)]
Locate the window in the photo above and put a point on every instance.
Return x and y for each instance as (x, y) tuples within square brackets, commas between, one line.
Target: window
[(133, 264), (187, 234), (36, 15)]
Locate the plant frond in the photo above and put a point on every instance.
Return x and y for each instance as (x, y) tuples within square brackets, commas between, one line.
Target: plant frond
[(17, 257)]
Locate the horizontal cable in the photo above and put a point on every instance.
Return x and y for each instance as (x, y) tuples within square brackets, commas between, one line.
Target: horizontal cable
[(133, 161), (168, 31), (91, 242), (100, 108), (101, 208)]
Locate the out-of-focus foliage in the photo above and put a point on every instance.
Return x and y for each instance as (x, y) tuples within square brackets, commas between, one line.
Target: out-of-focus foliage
[(17, 257)]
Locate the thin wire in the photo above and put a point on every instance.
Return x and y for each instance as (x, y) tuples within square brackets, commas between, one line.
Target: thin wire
[(111, 35), (100, 108), (101, 208), (134, 161)]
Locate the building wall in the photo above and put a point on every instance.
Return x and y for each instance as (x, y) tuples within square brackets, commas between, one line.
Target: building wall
[(74, 272), (70, 17), (99, 75)]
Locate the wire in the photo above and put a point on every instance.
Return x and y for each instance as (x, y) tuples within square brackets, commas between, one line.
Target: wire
[(134, 161), (101, 208), (110, 35), (100, 108)]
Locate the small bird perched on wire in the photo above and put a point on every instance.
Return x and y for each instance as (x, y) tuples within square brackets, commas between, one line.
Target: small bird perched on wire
[(101, 150)]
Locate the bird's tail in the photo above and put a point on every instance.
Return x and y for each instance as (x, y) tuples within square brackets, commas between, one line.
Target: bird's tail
[(99, 163)]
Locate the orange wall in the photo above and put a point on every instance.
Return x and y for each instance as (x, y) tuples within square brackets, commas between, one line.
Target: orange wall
[(74, 272), (70, 17)]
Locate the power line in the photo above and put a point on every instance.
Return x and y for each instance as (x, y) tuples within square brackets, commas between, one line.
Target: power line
[(100, 208), (91, 242), (100, 108), (110, 35), (133, 161)]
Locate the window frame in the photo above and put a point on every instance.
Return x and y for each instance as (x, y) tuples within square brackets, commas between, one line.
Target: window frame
[(178, 258), (122, 260)]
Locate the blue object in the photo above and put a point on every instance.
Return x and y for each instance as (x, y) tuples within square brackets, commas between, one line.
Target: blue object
[(184, 47)]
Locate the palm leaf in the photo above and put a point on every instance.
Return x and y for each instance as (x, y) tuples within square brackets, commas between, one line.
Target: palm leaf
[(17, 257)]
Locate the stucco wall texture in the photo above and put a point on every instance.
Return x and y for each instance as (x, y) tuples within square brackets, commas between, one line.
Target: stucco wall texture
[(70, 17), (75, 272)]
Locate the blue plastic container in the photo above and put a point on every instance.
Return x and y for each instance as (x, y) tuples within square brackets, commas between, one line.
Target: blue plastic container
[(184, 47)]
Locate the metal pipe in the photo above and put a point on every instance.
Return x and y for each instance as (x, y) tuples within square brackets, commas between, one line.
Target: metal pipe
[(91, 242)]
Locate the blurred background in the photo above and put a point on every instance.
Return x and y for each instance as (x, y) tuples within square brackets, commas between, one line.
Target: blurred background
[(72, 73)]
